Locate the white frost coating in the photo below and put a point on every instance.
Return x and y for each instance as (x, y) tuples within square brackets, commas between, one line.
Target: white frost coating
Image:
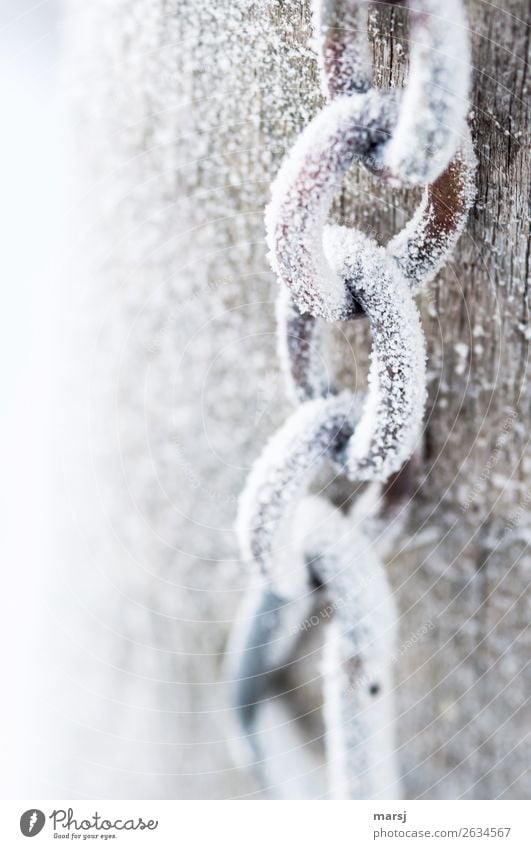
[(345, 553), (421, 248), (435, 102), (304, 190), (359, 649), (383, 438), (302, 194), (281, 474), (329, 273), (394, 409), (426, 242), (342, 46)]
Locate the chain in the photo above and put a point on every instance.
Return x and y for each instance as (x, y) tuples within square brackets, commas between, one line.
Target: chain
[(415, 136), (333, 273)]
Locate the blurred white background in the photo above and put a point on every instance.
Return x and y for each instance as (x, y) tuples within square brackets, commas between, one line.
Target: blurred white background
[(34, 243)]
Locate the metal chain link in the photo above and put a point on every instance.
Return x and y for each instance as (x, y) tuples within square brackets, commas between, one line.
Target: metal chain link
[(328, 273), (334, 273)]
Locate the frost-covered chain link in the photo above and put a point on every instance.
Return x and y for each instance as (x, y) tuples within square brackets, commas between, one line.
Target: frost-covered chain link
[(411, 136)]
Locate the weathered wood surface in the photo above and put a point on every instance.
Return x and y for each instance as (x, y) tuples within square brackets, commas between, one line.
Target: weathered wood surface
[(186, 110)]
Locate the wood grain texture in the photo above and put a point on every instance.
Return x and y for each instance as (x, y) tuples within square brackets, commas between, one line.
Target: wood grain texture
[(187, 109)]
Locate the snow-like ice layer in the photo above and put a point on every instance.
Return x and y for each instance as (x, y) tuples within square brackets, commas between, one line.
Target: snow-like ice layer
[(393, 411), (330, 271), (426, 243), (342, 46), (369, 436), (359, 653), (281, 475), (415, 136), (304, 190), (435, 101), (359, 649), (419, 250), (350, 128)]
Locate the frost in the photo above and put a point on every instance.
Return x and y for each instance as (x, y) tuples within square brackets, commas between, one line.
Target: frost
[(368, 436), (393, 412), (281, 474), (378, 431), (341, 46), (426, 242), (358, 656), (359, 649), (435, 102), (302, 194), (333, 273), (187, 108), (462, 351)]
